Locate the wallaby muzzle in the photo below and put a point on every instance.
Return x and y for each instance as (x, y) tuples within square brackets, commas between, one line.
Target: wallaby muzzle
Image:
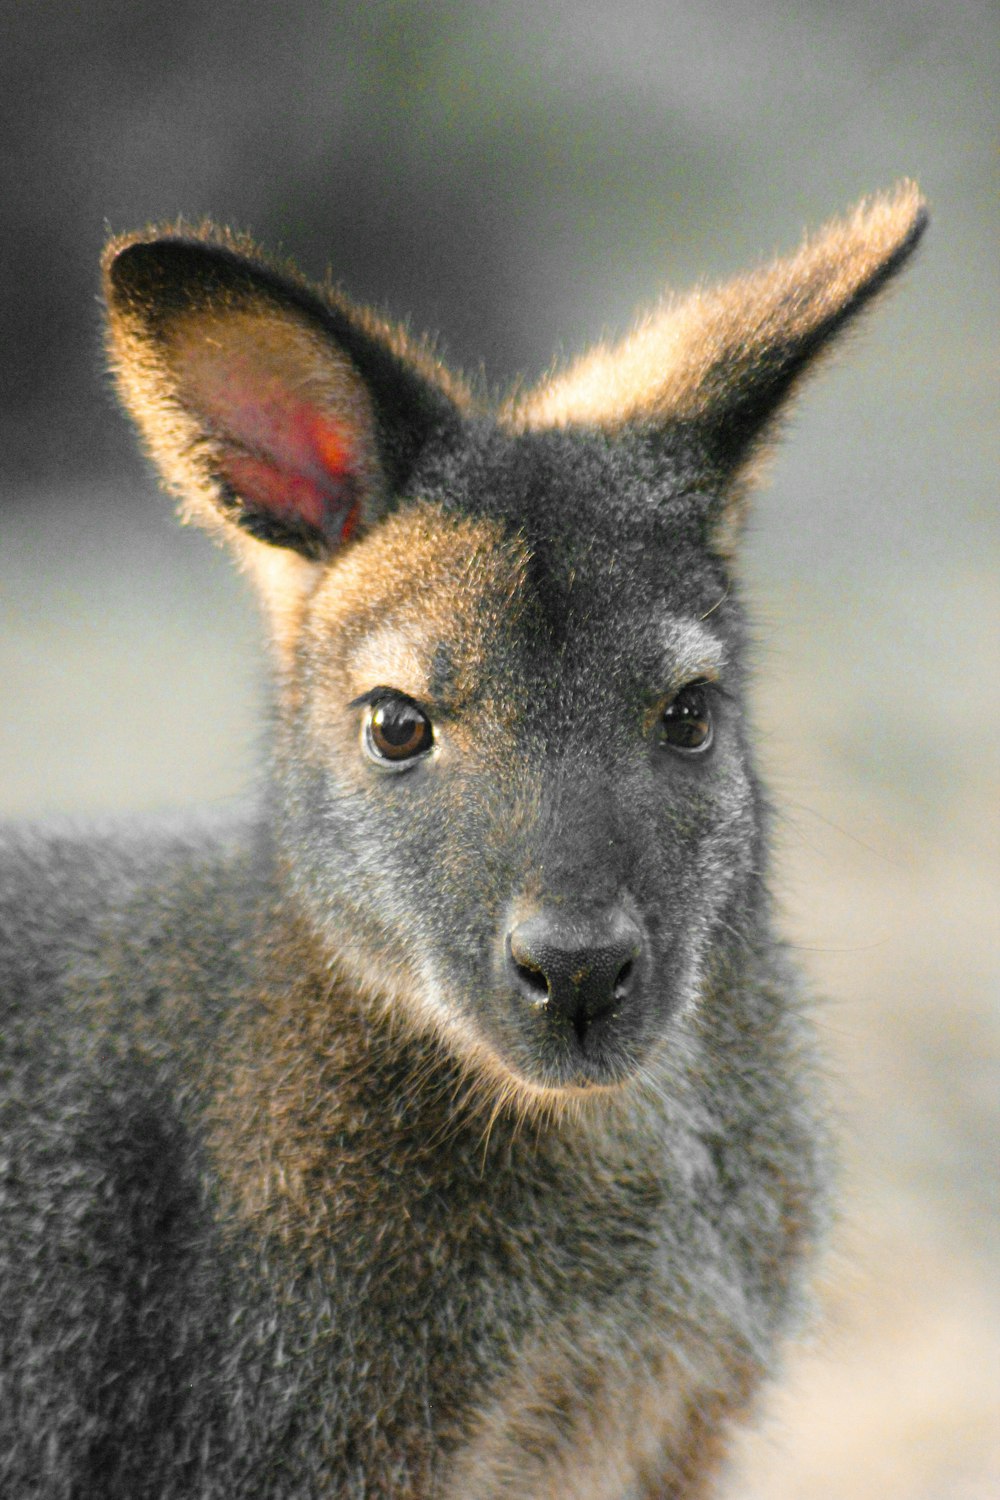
[(576, 975)]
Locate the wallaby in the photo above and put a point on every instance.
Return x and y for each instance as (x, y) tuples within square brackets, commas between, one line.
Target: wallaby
[(445, 1125)]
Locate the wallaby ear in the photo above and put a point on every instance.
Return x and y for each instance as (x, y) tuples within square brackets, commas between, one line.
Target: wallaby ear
[(718, 365), (272, 409)]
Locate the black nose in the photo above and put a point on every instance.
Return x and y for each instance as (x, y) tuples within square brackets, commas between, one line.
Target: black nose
[(583, 969)]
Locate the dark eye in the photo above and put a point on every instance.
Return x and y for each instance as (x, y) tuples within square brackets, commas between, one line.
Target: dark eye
[(687, 721), (397, 731)]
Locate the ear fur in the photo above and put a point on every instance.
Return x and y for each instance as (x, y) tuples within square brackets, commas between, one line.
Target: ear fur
[(719, 364), (274, 411)]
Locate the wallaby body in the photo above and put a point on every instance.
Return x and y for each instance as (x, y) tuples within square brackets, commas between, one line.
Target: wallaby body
[(443, 1128)]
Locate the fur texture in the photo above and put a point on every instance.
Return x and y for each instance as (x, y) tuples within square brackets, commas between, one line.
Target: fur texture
[(444, 1126)]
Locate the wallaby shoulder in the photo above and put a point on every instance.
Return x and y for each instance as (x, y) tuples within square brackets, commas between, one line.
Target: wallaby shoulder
[(104, 1198), (71, 894)]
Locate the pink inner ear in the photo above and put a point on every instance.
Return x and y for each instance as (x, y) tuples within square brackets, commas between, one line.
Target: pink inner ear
[(281, 454)]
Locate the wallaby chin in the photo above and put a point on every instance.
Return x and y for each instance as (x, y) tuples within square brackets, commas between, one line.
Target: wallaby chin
[(447, 1126)]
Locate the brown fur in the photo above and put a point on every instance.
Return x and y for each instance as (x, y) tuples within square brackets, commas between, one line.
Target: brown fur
[(690, 355), (445, 1128)]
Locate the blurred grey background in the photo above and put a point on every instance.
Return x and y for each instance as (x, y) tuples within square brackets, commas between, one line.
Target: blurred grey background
[(522, 178)]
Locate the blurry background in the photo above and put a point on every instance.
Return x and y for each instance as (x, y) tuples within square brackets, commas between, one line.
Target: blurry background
[(521, 177)]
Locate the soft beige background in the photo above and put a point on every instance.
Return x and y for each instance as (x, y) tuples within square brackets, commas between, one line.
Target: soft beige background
[(519, 175)]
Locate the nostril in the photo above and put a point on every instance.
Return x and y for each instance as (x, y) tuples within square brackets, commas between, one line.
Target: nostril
[(624, 980), (533, 980), (531, 977)]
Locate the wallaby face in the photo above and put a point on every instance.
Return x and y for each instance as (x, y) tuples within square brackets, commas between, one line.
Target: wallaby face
[(516, 775), (497, 1156)]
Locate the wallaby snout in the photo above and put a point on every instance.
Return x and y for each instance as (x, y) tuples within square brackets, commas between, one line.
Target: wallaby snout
[(581, 971)]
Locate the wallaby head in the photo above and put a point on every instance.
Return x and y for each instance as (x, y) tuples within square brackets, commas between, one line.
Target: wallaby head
[(513, 787)]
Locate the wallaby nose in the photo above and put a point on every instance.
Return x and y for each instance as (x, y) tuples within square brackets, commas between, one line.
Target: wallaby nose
[(582, 968)]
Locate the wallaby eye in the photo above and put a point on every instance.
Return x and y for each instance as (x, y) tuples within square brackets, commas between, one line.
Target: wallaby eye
[(686, 724), (396, 731)]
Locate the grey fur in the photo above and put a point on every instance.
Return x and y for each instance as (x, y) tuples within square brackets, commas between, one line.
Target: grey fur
[(272, 1223)]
